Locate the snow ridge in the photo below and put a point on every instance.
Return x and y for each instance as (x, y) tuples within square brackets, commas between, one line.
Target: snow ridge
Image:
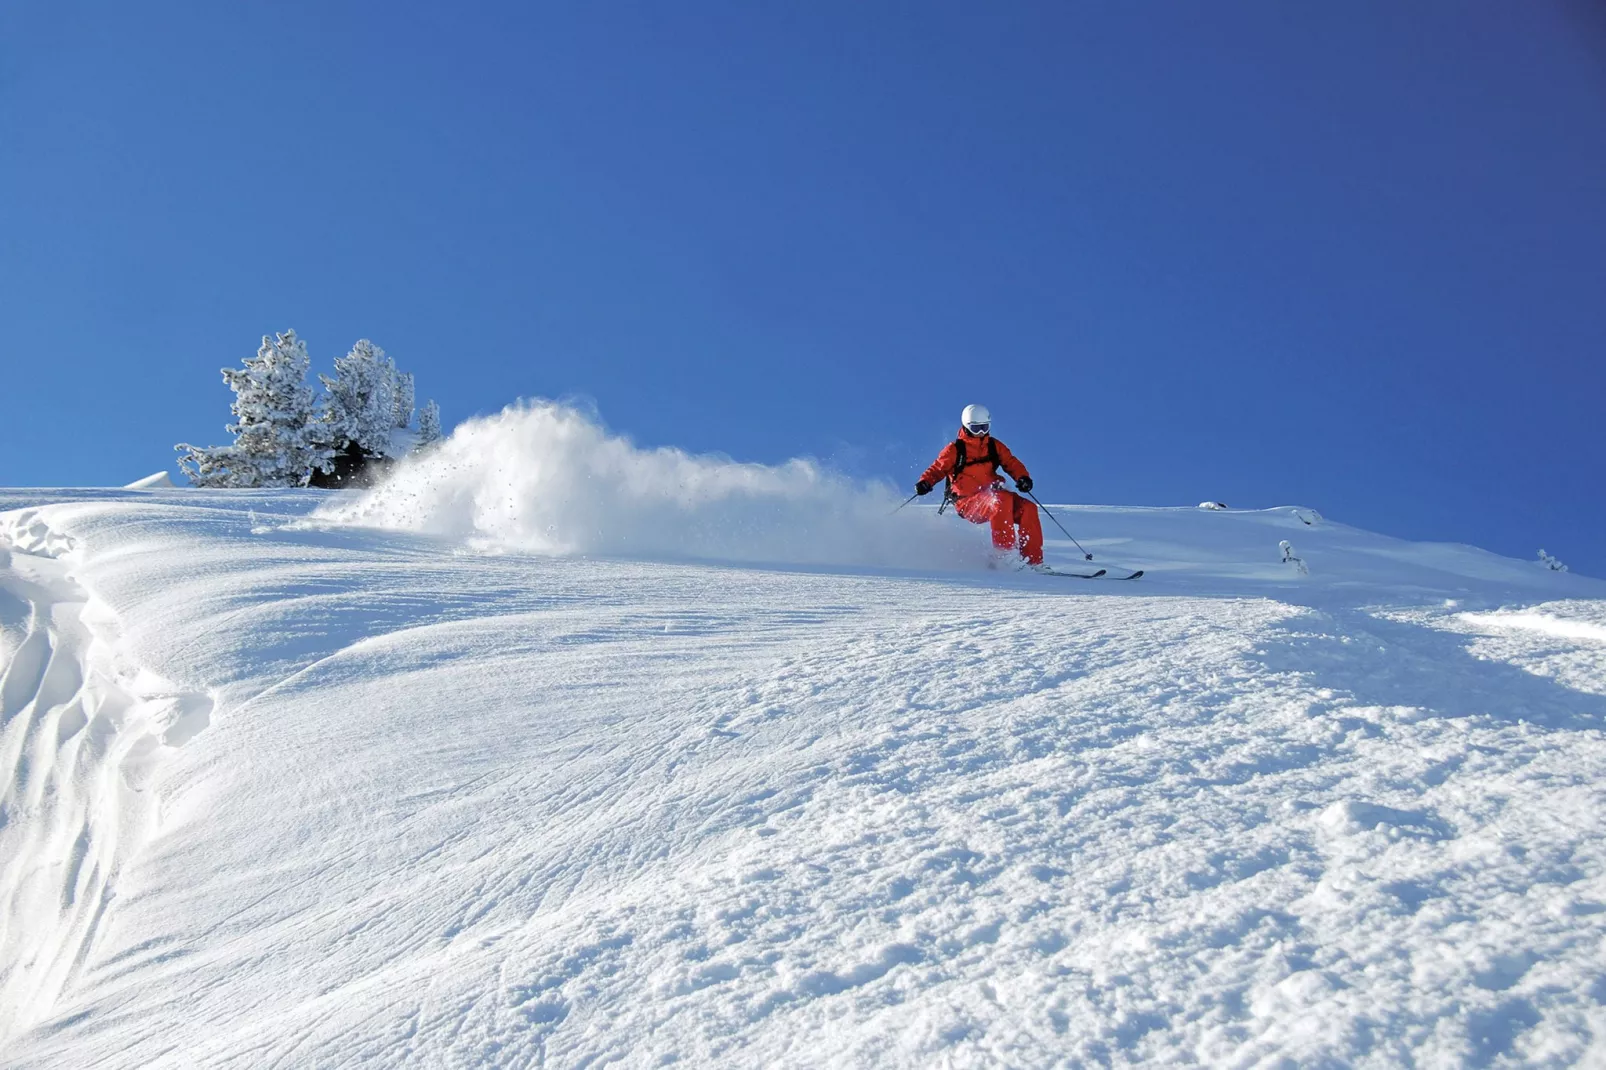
[(80, 732)]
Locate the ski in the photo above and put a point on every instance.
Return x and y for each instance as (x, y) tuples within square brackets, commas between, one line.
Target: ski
[(1100, 574)]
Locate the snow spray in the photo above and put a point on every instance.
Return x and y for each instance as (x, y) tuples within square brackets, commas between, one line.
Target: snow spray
[(546, 477)]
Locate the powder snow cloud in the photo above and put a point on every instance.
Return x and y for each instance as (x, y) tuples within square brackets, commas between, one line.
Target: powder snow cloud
[(545, 477)]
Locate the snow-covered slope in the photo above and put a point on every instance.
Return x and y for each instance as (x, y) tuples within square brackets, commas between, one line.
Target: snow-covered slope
[(284, 791)]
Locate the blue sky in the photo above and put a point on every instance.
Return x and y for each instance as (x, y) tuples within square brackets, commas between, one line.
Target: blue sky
[(1351, 256)]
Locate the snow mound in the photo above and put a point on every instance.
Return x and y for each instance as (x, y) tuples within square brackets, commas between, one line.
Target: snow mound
[(547, 478), (151, 482), (1542, 623)]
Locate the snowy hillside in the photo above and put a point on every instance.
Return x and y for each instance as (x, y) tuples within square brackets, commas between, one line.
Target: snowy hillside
[(557, 752)]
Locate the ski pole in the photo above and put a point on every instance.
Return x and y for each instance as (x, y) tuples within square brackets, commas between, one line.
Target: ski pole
[(906, 501), (1057, 524)]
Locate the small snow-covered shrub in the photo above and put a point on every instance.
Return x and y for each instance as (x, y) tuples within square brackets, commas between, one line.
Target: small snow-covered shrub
[(1551, 563), (1213, 505)]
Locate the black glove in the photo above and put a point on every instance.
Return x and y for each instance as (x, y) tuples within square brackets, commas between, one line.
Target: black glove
[(1024, 484), (922, 488)]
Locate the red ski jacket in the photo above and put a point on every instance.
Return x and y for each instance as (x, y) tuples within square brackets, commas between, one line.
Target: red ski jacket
[(982, 455)]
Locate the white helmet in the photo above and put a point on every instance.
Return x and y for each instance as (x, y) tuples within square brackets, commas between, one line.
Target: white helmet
[(976, 419)]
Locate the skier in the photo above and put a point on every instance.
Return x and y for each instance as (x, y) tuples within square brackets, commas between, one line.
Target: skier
[(970, 463)]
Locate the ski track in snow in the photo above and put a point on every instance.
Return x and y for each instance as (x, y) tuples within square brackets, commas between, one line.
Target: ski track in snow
[(506, 810)]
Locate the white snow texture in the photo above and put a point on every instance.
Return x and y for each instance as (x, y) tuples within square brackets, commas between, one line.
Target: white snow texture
[(521, 759)]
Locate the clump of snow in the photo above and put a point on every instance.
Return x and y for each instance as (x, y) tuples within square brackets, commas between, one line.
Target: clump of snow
[(548, 478), (1213, 506), (151, 482)]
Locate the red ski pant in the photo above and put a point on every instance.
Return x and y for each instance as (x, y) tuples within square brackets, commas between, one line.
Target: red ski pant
[(1006, 510)]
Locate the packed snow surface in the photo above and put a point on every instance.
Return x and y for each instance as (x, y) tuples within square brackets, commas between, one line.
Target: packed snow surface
[(571, 765)]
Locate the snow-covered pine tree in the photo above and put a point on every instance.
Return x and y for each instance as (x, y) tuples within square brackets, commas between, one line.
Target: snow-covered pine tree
[(1549, 561), (404, 399), (429, 425), (275, 442), (360, 401)]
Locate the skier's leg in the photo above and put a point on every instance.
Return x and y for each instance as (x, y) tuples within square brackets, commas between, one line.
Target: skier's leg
[(976, 508), (1003, 518), (990, 507), (1031, 530)]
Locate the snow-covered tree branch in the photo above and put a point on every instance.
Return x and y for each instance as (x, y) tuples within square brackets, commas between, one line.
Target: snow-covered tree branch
[(429, 424), (404, 399)]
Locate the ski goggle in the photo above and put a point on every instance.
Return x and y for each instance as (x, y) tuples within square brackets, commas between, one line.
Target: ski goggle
[(978, 429)]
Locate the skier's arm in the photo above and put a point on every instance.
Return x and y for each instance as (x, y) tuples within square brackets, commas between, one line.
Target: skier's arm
[(942, 467), (1011, 464)]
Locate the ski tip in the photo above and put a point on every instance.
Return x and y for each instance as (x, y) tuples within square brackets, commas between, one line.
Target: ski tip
[(1100, 572)]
